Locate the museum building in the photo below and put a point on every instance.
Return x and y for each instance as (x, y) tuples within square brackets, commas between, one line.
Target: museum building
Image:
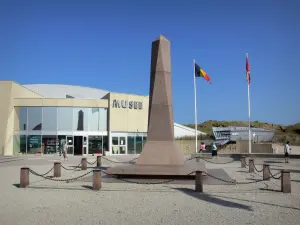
[(39, 118)]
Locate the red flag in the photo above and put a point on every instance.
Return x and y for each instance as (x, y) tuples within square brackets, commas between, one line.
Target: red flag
[(247, 69)]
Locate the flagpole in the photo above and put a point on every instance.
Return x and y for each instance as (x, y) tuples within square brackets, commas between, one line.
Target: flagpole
[(249, 120), (196, 141)]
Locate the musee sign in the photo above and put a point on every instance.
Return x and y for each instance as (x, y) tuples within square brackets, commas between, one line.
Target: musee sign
[(127, 104)]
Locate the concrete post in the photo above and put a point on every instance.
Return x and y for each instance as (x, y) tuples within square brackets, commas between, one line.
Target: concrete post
[(24, 177), (266, 172), (286, 181), (57, 169), (83, 164), (99, 162), (97, 180), (251, 165), (198, 182), (197, 159), (243, 162)]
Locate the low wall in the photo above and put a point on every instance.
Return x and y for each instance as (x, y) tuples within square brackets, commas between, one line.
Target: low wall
[(188, 147), (243, 147)]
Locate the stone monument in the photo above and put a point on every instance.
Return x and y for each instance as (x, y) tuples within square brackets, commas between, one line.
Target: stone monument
[(160, 156)]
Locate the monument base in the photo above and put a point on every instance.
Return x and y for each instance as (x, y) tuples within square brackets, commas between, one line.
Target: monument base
[(186, 171)]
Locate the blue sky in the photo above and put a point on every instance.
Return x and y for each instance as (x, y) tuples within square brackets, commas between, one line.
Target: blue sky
[(107, 45)]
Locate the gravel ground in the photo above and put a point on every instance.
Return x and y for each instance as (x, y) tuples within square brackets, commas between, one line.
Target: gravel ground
[(49, 202)]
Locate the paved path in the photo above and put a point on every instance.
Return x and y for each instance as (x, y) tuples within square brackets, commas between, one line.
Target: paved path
[(49, 202)]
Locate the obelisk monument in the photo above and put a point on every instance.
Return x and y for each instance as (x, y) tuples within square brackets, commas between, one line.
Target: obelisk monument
[(161, 157), (160, 147)]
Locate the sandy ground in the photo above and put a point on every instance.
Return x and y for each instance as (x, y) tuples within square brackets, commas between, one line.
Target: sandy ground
[(49, 202)]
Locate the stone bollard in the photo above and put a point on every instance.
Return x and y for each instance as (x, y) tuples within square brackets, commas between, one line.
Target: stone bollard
[(57, 169), (99, 162), (198, 182), (251, 165), (266, 172), (97, 180), (24, 177), (286, 181), (197, 159), (243, 162), (83, 164)]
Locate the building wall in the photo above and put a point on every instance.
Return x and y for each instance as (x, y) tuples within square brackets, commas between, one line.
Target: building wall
[(8, 91), (128, 117)]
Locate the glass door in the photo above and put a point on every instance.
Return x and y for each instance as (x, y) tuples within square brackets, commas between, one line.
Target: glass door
[(119, 145), (123, 145), (70, 145), (84, 145)]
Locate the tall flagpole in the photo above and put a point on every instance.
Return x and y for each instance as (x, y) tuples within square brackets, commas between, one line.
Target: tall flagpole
[(196, 147), (249, 120)]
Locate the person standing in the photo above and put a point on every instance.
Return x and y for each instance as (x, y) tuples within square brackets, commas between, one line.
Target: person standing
[(287, 151), (202, 147), (214, 152), (65, 151)]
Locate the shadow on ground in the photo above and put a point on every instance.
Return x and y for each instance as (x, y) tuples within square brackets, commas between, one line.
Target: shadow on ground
[(214, 200), (258, 202)]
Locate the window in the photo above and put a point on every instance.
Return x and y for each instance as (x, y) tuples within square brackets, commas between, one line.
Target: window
[(80, 119), (20, 143), (34, 118), (21, 118), (139, 144), (122, 145), (103, 119), (34, 144), (49, 119), (95, 144), (131, 145), (64, 118)]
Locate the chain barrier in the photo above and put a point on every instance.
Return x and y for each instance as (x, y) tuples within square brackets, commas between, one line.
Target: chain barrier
[(53, 179), (119, 162), (211, 161), (136, 182), (257, 169), (44, 174), (273, 175), (234, 181), (90, 162), (72, 168)]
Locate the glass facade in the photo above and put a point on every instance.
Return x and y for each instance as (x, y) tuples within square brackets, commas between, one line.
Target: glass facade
[(45, 129), (128, 143)]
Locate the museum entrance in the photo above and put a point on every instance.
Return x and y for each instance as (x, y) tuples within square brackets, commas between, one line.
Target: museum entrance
[(80, 145)]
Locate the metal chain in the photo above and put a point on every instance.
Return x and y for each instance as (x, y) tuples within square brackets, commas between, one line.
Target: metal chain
[(69, 168), (91, 163), (136, 182), (257, 169), (273, 176), (44, 174), (234, 181), (67, 179), (117, 161)]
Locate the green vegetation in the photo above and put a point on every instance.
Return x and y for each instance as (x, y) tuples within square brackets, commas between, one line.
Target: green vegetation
[(282, 133)]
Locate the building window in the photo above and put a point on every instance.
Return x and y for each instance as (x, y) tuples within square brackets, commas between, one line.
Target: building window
[(21, 118), (34, 118), (123, 145), (95, 144), (49, 119), (19, 144), (131, 145), (138, 144), (80, 119), (65, 118), (50, 144), (34, 144)]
